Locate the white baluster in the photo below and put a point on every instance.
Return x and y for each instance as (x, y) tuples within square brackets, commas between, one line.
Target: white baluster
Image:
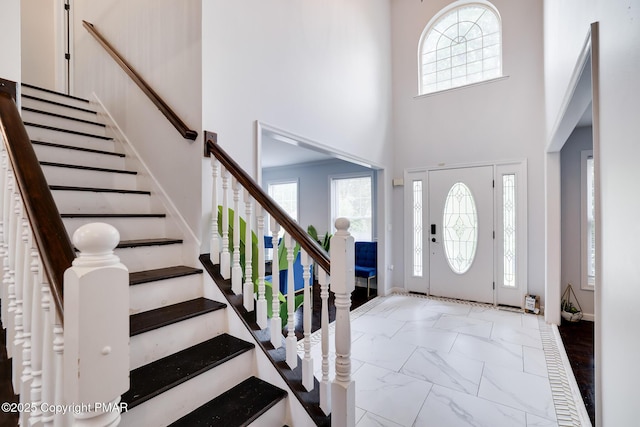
[(59, 417), (7, 321), (261, 309), (36, 340), (3, 183), (325, 385), (343, 389), (18, 340), (248, 254), (307, 361), (214, 251), (236, 272), (276, 323), (9, 278), (27, 305), (98, 283), (291, 341), (225, 256), (48, 378)]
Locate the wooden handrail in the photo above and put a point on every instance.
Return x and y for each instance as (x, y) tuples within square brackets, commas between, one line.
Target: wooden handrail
[(54, 245), (311, 247), (153, 96)]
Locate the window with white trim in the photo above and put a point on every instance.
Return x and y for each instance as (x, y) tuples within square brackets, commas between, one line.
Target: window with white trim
[(460, 46), (588, 222), (352, 198), (285, 193)]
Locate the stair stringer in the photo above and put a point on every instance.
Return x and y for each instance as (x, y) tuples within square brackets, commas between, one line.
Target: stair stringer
[(296, 414), (176, 224)]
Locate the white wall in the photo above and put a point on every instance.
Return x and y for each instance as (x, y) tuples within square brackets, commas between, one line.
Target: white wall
[(571, 178), (313, 188), (38, 43), (503, 120), (161, 39), (10, 40), (321, 70), (617, 337)]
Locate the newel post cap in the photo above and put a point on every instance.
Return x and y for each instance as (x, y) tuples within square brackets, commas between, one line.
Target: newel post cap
[(96, 242), (342, 254)]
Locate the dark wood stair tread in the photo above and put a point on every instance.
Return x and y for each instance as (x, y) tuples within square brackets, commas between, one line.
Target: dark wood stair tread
[(71, 147), (62, 116), (163, 316), (97, 190), (54, 92), (157, 377), (147, 242), (236, 407), (74, 132), (146, 276), (89, 168), (60, 104)]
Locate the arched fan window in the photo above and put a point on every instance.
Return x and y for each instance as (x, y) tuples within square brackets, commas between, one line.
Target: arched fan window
[(460, 46)]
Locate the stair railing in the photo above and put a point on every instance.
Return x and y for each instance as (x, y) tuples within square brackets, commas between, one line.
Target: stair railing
[(65, 375), (164, 108), (337, 397)]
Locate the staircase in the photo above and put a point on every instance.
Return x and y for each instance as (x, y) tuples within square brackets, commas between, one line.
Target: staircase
[(186, 370)]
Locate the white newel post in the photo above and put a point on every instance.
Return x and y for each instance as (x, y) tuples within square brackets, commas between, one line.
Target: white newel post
[(96, 328), (343, 388)]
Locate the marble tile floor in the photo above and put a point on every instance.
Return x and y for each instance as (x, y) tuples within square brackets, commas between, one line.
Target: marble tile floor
[(430, 362)]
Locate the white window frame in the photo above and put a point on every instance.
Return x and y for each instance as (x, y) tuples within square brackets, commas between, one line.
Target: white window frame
[(427, 30), (295, 181), (587, 281), (516, 293), (333, 215)]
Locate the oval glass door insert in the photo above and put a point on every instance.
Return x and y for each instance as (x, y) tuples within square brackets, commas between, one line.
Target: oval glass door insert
[(460, 228)]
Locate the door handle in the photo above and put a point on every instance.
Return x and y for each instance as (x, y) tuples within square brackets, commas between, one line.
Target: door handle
[(433, 229)]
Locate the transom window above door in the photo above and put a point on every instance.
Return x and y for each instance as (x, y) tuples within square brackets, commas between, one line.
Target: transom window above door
[(460, 46)]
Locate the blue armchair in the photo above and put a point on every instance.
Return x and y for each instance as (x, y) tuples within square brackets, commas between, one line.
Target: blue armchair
[(366, 261)]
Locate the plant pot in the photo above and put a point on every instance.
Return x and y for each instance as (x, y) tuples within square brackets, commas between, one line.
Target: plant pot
[(571, 317)]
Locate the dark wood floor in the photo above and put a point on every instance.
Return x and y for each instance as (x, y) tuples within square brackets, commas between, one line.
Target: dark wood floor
[(578, 342)]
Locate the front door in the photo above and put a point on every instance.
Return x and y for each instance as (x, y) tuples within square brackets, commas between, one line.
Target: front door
[(461, 233)]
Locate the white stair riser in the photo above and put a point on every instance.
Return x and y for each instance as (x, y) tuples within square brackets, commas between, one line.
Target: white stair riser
[(89, 178), (60, 109), (147, 296), (55, 97), (48, 120), (150, 257), (275, 416), (65, 138), (69, 202), (158, 343), (183, 399), (129, 228), (62, 155)]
